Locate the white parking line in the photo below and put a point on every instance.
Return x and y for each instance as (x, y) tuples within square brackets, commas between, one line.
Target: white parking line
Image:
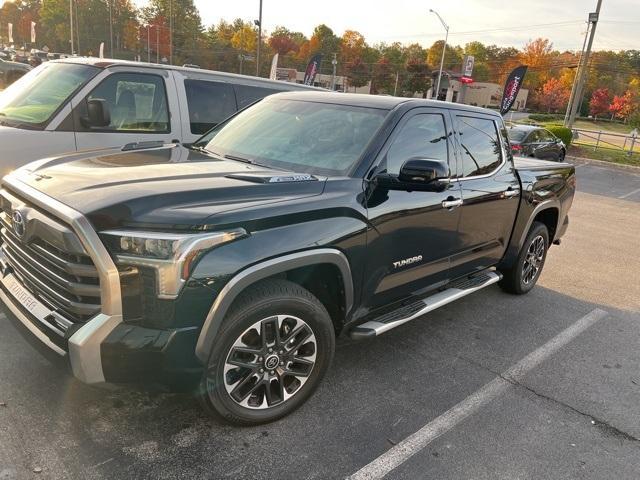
[(404, 450), (627, 195)]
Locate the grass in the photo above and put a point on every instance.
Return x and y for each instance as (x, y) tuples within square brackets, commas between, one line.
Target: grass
[(606, 155), (598, 126)]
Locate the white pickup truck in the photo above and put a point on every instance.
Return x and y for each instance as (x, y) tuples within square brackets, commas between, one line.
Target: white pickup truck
[(88, 103)]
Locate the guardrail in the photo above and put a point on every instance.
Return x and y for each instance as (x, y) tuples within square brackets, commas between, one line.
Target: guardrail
[(608, 140)]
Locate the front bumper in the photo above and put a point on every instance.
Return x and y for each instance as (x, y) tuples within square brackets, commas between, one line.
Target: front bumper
[(129, 354), (100, 350)]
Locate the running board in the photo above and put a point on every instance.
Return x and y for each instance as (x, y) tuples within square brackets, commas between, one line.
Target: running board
[(453, 292)]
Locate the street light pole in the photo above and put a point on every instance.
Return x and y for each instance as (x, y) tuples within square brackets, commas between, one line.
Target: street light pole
[(444, 49), (110, 30), (259, 40), (71, 23)]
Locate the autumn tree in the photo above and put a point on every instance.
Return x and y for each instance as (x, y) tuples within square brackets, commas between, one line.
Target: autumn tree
[(418, 78), (600, 102), (357, 73), (452, 57), (384, 76), (554, 95), (622, 106), (352, 46), (282, 41), (536, 54)]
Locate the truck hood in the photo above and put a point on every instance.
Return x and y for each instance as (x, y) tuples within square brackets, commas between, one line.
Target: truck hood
[(164, 187)]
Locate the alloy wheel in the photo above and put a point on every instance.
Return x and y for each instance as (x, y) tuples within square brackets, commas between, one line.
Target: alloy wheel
[(533, 260), (270, 362)]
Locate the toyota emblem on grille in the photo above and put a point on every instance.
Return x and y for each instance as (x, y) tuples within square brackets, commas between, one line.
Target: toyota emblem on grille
[(19, 225)]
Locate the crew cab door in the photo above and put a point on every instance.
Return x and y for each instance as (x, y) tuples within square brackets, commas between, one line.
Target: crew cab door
[(412, 234), (142, 104), (490, 192)]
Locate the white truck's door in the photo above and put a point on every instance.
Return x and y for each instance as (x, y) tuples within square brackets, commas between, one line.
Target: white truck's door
[(143, 105)]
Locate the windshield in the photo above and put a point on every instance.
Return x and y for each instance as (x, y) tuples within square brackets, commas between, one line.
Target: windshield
[(517, 135), (34, 98), (309, 137)]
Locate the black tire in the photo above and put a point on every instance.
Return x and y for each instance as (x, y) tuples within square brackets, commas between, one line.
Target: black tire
[(562, 155), (520, 278), (289, 304)]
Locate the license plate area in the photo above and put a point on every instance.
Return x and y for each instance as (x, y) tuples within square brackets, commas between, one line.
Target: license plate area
[(32, 305)]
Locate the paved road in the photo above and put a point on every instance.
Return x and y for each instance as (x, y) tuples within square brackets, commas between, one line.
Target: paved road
[(447, 382)]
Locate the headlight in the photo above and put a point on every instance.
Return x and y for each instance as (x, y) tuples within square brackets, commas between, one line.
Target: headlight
[(171, 255)]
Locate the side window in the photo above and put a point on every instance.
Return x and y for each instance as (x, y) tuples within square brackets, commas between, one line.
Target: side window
[(209, 103), (534, 137), (247, 94), (137, 102), (546, 136), (423, 136), (481, 148)]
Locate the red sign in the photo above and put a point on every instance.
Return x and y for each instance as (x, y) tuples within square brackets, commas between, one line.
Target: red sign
[(466, 80)]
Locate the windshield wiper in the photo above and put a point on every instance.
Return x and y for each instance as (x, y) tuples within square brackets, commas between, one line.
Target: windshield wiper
[(239, 159)]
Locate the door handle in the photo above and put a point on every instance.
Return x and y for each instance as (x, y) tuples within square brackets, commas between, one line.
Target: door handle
[(510, 193), (452, 203)]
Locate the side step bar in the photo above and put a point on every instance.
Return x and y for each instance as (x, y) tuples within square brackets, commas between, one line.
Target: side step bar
[(453, 292)]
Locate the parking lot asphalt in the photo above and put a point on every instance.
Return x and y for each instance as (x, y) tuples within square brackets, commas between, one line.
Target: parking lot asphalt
[(571, 414)]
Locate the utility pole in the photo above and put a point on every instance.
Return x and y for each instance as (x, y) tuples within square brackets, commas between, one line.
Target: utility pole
[(148, 44), (334, 62), (110, 30), (157, 43), (71, 23), (259, 22), (170, 32), (575, 80), (444, 49), (395, 89), (577, 100)]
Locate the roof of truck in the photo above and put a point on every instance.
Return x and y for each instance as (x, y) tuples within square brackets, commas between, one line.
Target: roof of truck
[(378, 101), (110, 62)]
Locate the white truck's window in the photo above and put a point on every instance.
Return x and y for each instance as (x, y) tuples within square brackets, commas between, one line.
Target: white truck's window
[(209, 104), (423, 136), (247, 94), (34, 98), (481, 147), (137, 102)]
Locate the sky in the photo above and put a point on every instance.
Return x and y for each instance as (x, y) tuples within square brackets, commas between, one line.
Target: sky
[(500, 22)]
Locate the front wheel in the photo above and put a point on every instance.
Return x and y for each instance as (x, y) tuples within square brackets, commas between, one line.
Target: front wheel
[(524, 274), (273, 349)]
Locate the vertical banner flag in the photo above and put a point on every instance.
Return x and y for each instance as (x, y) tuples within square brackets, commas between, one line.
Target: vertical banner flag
[(102, 50), (33, 32), (274, 68), (10, 33), (312, 69), (511, 88)]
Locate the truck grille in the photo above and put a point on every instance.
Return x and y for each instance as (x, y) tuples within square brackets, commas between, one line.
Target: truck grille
[(65, 281)]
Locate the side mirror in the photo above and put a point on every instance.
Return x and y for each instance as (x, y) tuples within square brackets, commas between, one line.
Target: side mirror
[(98, 114), (423, 170), (417, 174)]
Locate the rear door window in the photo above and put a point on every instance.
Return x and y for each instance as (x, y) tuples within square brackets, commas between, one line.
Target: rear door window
[(137, 102), (209, 103), (480, 145)]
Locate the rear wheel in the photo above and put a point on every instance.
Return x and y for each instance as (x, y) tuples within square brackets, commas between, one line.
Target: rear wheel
[(524, 274), (272, 352)]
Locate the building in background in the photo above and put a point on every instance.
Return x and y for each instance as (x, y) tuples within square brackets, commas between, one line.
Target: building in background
[(322, 80), (480, 94)]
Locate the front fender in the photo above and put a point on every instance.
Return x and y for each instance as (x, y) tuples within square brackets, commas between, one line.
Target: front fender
[(263, 270)]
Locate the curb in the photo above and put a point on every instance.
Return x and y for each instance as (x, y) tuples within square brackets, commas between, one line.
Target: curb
[(601, 163)]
